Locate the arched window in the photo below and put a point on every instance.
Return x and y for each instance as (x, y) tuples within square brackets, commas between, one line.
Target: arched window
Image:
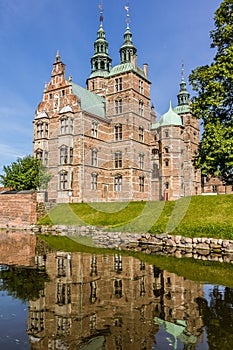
[(166, 162), (166, 149)]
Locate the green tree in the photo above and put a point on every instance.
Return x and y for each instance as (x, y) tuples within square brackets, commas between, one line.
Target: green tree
[(213, 102), (26, 173)]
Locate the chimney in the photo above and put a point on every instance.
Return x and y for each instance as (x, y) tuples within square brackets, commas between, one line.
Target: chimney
[(145, 69)]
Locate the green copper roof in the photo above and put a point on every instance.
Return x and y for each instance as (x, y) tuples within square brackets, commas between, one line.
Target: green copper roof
[(99, 73), (182, 109), (169, 118), (90, 102), (126, 67)]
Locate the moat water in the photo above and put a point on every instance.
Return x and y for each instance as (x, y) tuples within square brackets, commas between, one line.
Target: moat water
[(89, 301)]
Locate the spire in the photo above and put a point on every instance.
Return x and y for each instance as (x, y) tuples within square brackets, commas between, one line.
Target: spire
[(127, 50), (101, 61), (183, 96)]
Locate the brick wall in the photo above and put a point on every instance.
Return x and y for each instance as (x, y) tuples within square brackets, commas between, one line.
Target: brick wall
[(18, 210), (17, 248)]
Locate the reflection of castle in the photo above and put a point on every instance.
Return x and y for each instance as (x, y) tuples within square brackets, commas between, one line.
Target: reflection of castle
[(104, 143), (108, 302)]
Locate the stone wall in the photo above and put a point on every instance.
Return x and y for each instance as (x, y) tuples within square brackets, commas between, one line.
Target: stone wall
[(162, 244), (18, 209)]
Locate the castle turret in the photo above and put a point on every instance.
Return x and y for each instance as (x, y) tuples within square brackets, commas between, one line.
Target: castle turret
[(101, 62)]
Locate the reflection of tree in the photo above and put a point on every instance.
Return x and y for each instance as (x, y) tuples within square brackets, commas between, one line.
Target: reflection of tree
[(22, 283), (218, 318)]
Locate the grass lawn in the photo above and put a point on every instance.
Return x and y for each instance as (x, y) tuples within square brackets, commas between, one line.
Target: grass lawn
[(197, 216)]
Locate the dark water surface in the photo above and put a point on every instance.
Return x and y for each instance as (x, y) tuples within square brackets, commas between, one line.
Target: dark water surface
[(82, 301)]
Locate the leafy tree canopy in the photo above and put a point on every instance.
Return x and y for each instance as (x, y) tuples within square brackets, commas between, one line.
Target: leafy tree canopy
[(214, 100), (26, 173)]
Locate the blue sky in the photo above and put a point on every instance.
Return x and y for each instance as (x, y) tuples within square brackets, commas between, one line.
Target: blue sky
[(164, 32)]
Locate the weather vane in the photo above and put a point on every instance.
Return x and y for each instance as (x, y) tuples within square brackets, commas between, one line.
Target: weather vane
[(127, 15), (101, 12)]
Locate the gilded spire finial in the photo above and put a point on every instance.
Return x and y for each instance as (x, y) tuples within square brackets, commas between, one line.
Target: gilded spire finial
[(101, 12), (182, 71), (127, 15)]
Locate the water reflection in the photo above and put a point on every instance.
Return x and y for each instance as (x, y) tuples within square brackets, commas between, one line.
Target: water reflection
[(110, 301)]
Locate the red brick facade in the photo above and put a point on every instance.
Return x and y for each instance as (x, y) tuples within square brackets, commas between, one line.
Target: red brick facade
[(18, 209), (104, 143)]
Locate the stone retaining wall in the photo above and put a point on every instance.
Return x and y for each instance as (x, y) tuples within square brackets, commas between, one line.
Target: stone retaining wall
[(163, 244)]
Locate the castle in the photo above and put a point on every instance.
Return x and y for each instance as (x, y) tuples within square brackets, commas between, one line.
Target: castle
[(104, 143)]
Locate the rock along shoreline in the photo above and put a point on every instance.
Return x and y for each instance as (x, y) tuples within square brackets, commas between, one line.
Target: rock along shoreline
[(163, 244)]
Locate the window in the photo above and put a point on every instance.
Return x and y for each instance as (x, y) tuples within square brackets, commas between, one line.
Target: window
[(166, 149), (118, 263), (71, 155), (118, 288), (166, 133), (64, 155), (167, 185), (118, 183), (118, 132), (93, 294), (141, 183), (39, 154), (141, 134), (118, 160), (94, 157), (166, 162), (46, 156), (94, 182), (118, 106), (50, 96), (66, 125), (63, 181), (141, 160), (94, 129), (141, 108), (141, 86), (63, 293), (93, 264), (63, 92), (214, 188), (42, 130), (118, 84)]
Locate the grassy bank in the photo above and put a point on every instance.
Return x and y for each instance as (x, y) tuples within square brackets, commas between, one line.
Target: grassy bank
[(194, 270), (202, 216)]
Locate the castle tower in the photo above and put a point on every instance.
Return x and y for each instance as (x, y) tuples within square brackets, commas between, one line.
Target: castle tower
[(192, 179), (100, 62)]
